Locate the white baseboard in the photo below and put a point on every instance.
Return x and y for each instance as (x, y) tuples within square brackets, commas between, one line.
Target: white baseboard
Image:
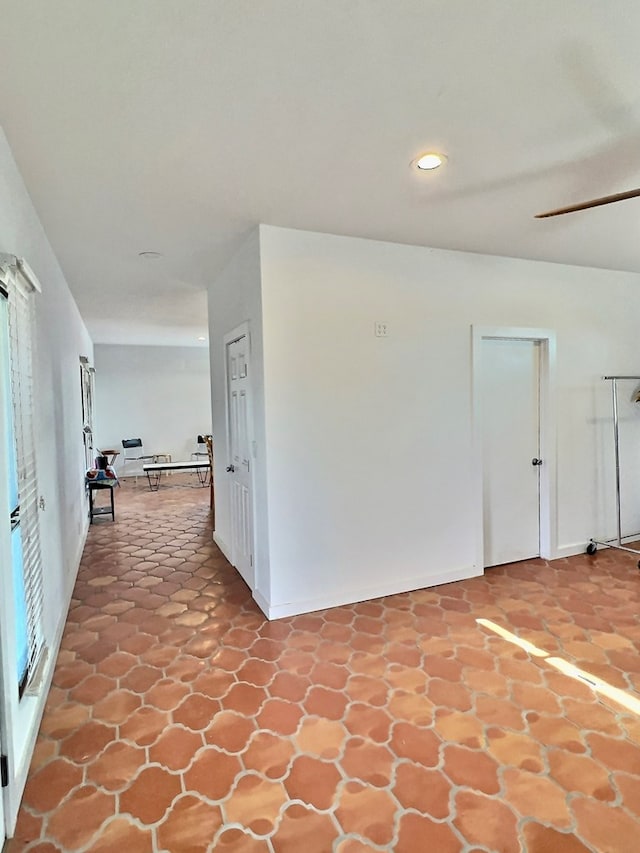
[(73, 576), (338, 598), (571, 550), (222, 545)]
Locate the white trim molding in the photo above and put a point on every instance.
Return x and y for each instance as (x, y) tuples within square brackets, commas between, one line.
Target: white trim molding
[(20, 265)]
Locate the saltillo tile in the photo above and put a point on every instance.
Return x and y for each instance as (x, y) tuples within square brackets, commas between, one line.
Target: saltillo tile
[(81, 815), (581, 774), (116, 707), (367, 812), (121, 834), (87, 742), (64, 719), (373, 723), (190, 824), (257, 672), (116, 766), (419, 745), (175, 748), (230, 731), (400, 716), (256, 803), (268, 754), (312, 781), (325, 703), (135, 800), (92, 689), (486, 821), (244, 698), (545, 838), (427, 791), (474, 769), (212, 773), (446, 694), (279, 716), (321, 737), (536, 796), (48, 787), (416, 832), (301, 828), (234, 840), (603, 826), (144, 726), (28, 827)]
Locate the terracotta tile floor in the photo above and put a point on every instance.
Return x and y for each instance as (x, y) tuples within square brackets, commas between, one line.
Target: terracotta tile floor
[(180, 720)]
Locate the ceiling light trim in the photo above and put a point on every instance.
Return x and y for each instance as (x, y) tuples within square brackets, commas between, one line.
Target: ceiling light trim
[(429, 160)]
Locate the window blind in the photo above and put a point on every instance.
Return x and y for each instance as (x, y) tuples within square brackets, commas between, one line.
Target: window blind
[(22, 338)]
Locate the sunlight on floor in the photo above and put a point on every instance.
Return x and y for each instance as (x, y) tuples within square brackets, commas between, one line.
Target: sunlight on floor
[(622, 697)]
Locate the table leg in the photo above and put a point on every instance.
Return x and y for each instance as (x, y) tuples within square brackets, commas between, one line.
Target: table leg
[(154, 484)]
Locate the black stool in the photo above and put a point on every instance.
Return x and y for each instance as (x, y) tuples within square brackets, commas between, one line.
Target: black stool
[(97, 485)]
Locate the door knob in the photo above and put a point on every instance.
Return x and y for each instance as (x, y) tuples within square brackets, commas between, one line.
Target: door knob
[(535, 461), (231, 468)]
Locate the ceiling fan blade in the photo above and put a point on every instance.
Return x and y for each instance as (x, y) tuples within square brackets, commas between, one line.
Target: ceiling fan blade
[(585, 205)]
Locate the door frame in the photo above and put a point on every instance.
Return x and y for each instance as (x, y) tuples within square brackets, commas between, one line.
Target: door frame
[(241, 331), (547, 402)]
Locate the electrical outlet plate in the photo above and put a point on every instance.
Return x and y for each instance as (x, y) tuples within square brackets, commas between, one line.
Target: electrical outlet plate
[(381, 329)]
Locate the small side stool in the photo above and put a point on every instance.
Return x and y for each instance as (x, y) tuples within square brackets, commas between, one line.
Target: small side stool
[(98, 480)]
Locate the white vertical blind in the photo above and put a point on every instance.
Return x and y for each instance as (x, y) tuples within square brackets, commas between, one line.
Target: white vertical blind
[(22, 342)]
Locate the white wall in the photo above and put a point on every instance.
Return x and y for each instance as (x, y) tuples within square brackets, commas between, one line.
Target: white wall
[(370, 470), (159, 394), (61, 339), (234, 298)]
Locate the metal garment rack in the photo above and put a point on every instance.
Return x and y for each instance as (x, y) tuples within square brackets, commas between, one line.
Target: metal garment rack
[(617, 542)]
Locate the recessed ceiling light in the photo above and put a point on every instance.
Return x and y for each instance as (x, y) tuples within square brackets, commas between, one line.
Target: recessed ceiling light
[(201, 338), (430, 160), (150, 256)]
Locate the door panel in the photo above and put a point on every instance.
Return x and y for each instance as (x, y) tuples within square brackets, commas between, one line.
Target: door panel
[(238, 408), (510, 377)]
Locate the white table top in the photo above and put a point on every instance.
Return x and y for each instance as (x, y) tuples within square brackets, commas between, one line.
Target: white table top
[(174, 466)]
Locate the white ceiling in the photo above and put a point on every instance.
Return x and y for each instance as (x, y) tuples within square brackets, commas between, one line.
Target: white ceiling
[(178, 125)]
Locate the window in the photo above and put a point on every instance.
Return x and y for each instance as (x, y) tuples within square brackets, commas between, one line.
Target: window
[(21, 286)]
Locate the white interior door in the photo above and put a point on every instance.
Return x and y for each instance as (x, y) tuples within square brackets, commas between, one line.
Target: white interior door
[(239, 466), (510, 394)]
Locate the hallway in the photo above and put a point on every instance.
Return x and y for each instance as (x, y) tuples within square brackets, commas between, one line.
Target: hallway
[(181, 720)]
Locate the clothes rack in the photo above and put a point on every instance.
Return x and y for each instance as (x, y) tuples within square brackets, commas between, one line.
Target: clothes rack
[(616, 543)]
